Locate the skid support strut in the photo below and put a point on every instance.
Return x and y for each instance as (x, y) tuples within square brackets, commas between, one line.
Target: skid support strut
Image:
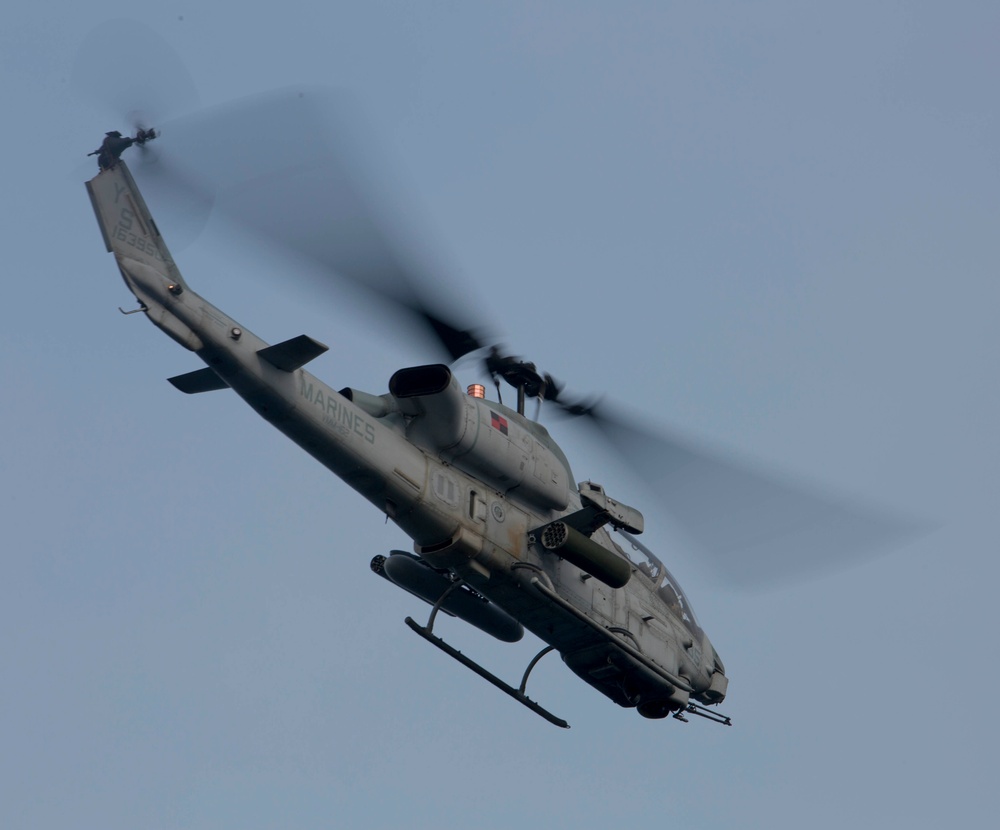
[(518, 694)]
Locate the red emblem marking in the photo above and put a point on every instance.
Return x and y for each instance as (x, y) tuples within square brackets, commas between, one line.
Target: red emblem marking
[(498, 423)]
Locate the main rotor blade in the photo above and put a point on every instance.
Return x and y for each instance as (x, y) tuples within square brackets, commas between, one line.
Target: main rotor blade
[(290, 168), (294, 168), (758, 526)]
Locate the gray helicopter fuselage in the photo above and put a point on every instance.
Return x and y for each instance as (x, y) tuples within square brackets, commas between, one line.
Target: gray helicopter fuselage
[(471, 482)]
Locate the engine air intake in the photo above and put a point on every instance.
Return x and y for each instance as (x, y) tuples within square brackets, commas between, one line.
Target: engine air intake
[(420, 380)]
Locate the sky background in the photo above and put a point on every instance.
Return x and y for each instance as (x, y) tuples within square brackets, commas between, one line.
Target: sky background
[(770, 225)]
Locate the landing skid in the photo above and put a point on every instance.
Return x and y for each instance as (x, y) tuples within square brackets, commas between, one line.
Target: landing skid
[(518, 694)]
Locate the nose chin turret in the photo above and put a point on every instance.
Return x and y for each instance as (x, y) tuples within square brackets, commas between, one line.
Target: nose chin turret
[(718, 683)]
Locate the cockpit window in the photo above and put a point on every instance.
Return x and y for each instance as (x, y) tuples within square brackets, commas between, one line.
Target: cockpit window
[(668, 589)]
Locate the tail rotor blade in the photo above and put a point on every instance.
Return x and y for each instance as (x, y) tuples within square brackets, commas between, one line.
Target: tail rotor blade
[(128, 72)]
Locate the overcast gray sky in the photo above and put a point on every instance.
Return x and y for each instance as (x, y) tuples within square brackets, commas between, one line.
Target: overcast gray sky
[(771, 225)]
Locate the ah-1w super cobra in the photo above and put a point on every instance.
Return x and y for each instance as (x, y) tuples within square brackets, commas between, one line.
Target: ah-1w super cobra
[(503, 537)]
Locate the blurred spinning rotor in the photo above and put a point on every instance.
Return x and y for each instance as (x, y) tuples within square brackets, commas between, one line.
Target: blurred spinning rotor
[(295, 169)]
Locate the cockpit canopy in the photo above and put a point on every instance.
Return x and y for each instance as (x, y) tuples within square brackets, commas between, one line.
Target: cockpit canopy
[(668, 589)]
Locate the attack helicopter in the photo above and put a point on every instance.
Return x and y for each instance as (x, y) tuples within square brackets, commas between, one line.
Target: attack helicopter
[(504, 537)]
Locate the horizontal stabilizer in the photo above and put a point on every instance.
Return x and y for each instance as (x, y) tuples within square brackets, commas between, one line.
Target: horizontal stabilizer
[(293, 354), (201, 380)]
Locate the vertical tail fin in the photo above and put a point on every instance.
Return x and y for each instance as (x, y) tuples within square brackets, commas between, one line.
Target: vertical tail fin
[(126, 224)]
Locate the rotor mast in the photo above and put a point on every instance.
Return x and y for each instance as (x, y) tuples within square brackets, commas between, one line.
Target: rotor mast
[(521, 374)]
